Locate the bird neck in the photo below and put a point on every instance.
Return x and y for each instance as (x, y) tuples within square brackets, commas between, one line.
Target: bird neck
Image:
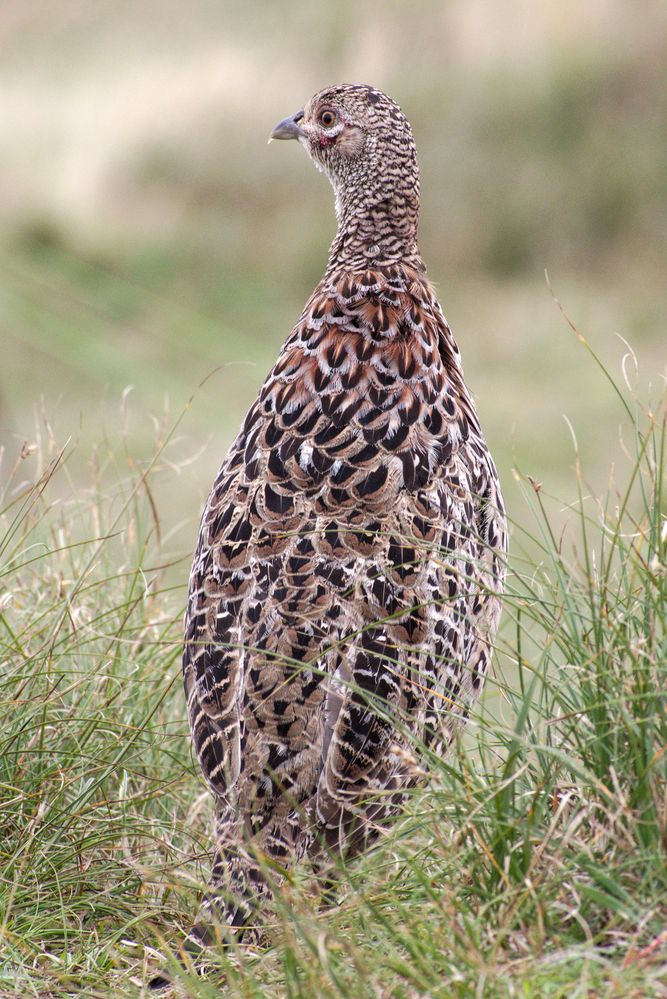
[(375, 231)]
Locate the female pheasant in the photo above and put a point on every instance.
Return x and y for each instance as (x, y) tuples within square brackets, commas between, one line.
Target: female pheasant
[(345, 590)]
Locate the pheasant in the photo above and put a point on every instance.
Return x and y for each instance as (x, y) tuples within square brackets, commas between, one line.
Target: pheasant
[(345, 590)]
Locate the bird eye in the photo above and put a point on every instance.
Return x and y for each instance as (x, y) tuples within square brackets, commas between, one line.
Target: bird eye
[(327, 118)]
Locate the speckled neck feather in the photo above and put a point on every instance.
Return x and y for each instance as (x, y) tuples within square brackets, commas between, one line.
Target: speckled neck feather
[(377, 190)]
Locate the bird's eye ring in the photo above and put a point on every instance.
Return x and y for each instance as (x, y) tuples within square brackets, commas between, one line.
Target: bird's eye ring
[(327, 118)]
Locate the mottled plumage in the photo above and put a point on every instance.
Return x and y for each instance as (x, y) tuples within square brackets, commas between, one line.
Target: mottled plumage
[(345, 589)]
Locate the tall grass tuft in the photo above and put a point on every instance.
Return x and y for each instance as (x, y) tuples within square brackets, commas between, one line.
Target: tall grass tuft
[(531, 862)]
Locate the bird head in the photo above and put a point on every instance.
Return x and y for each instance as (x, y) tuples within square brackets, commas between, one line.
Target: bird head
[(363, 142)]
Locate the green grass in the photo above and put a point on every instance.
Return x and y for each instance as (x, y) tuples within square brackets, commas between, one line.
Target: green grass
[(532, 861)]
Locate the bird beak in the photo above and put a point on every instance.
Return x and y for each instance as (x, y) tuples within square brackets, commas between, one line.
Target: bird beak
[(288, 128)]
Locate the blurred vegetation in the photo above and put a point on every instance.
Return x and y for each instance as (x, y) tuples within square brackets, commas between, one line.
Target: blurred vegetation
[(149, 238)]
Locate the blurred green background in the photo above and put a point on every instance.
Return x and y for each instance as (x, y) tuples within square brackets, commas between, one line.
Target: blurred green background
[(148, 236)]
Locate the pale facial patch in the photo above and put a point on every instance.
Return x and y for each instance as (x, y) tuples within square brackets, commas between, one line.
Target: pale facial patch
[(351, 140)]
